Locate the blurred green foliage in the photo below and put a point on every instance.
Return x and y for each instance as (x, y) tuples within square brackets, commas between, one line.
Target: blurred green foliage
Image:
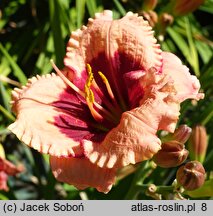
[(34, 31)]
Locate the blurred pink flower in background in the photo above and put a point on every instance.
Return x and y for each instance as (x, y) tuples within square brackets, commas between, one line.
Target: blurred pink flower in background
[(7, 169), (103, 110)]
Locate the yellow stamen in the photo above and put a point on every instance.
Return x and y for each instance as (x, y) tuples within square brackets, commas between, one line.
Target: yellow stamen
[(109, 90), (88, 93), (89, 96), (90, 76), (94, 113), (106, 82)]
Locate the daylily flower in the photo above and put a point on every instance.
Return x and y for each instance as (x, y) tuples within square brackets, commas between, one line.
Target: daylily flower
[(103, 110)]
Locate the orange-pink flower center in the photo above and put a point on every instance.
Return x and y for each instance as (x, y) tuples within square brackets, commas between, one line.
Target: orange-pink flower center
[(109, 111)]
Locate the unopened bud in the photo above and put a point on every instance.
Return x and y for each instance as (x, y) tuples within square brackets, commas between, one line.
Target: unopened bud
[(171, 154), (183, 7), (191, 175), (150, 16), (149, 4), (182, 133), (166, 19), (198, 143)]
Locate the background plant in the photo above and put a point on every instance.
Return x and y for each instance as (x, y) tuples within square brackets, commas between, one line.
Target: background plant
[(32, 32)]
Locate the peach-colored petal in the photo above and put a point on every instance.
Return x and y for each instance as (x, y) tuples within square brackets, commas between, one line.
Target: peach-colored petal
[(165, 106), (50, 117), (130, 36), (132, 141), (81, 173), (186, 85), (173, 85), (123, 46)]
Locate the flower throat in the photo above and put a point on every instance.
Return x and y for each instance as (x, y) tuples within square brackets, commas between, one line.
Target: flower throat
[(111, 112)]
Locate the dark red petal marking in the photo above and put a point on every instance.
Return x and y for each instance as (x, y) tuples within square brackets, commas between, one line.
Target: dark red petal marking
[(75, 119)]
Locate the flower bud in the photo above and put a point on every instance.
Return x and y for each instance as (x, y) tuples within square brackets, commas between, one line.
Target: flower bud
[(165, 20), (183, 7), (198, 143), (149, 4), (150, 16), (191, 175), (171, 154), (182, 133)]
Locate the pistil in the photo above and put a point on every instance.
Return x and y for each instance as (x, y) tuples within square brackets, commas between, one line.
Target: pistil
[(110, 92), (105, 81)]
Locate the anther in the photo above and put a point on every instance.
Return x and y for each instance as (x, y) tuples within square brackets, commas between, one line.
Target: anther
[(88, 94), (106, 82)]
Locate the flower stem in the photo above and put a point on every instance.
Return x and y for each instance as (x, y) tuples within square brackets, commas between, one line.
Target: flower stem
[(140, 175), (145, 187), (137, 186)]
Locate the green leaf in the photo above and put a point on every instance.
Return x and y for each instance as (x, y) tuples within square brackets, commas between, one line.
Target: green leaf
[(80, 7), (5, 68), (168, 45), (204, 51), (38, 35), (65, 18), (180, 42), (16, 69), (43, 62), (207, 6), (193, 51), (207, 114), (5, 97), (6, 113), (120, 7), (205, 191), (55, 22), (91, 6), (3, 197), (207, 74)]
